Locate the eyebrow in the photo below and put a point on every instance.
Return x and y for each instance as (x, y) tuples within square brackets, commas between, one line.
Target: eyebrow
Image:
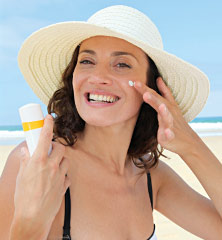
[(114, 54)]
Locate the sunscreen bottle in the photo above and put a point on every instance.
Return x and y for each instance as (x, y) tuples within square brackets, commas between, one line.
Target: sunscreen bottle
[(32, 122)]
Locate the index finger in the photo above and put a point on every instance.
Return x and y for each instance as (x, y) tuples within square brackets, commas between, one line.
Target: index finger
[(45, 138), (150, 96), (165, 90)]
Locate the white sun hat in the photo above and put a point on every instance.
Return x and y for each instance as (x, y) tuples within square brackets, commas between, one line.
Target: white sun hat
[(46, 53)]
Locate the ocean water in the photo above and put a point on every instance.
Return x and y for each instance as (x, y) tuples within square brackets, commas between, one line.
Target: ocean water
[(206, 126)]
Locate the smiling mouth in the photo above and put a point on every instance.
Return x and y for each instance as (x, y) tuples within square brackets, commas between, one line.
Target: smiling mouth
[(101, 98)]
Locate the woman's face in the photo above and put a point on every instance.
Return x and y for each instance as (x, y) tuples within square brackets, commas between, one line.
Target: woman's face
[(102, 93)]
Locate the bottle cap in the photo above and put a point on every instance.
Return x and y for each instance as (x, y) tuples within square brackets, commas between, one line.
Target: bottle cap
[(31, 112)]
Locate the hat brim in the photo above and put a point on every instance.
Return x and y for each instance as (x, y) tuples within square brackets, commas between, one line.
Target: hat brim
[(46, 53)]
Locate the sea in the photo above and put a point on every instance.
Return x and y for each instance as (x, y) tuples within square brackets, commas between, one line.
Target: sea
[(204, 126)]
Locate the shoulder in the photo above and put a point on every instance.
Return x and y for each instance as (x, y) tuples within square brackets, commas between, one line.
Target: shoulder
[(7, 189), (161, 171), (169, 188), (13, 162), (161, 175)]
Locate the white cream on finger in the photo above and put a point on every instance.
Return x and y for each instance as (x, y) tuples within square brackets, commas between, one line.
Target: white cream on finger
[(131, 83)]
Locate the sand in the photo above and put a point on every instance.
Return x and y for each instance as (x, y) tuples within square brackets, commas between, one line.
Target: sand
[(165, 229)]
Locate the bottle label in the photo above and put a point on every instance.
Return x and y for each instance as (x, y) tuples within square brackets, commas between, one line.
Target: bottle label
[(27, 126)]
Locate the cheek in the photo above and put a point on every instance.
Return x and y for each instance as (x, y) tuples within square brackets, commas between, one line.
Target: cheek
[(138, 101), (77, 82), (134, 101)]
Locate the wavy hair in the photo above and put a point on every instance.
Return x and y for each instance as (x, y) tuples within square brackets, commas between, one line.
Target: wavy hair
[(143, 150)]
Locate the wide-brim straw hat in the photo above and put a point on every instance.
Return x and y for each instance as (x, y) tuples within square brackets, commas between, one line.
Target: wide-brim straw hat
[(46, 53)]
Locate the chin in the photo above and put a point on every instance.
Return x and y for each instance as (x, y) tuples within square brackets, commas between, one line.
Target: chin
[(99, 122), (109, 121)]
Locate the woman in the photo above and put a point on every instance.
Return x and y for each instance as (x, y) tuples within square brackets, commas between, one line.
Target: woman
[(107, 133)]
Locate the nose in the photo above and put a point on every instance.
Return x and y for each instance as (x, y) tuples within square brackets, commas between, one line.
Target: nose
[(100, 77)]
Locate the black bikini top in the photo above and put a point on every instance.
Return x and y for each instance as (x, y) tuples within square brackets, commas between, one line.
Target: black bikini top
[(66, 227)]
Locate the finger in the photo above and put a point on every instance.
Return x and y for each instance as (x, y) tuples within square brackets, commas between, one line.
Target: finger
[(64, 166), (161, 136), (142, 88), (169, 134), (58, 152), (164, 90), (165, 135), (165, 116), (67, 184), (45, 138), (149, 95), (153, 100), (24, 157)]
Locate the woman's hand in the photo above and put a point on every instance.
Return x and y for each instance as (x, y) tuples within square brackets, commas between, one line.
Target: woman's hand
[(41, 182), (174, 132)]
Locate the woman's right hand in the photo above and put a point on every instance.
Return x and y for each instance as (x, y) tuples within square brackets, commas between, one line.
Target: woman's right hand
[(41, 182)]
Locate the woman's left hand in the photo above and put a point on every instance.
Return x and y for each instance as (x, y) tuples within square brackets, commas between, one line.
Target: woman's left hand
[(174, 133)]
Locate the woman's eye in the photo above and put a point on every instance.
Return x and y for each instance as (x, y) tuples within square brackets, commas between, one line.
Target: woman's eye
[(85, 62), (123, 65)]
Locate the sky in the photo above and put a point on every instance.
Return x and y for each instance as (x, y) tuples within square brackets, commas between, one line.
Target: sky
[(190, 29)]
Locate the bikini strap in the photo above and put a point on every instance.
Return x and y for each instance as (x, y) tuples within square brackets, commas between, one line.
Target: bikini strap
[(150, 189), (66, 227), (149, 186)]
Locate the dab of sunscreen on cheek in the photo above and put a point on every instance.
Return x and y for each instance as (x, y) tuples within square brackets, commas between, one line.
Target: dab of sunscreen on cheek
[(32, 122), (131, 83)]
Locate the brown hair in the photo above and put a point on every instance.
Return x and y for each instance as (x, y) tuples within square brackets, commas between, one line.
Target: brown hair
[(67, 122)]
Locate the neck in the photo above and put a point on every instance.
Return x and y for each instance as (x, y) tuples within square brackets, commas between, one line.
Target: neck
[(109, 145)]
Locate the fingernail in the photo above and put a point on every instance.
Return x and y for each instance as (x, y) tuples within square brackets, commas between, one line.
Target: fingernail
[(138, 84), (164, 108), (147, 95), (48, 116)]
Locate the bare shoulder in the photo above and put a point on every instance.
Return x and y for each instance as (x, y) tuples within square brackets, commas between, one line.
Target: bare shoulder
[(7, 189), (13, 162), (159, 169), (161, 172), (176, 200), (158, 176)]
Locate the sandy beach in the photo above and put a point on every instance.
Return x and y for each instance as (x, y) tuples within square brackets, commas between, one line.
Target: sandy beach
[(165, 229)]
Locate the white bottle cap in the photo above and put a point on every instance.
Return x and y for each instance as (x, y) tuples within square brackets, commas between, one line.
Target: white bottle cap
[(32, 121), (31, 112)]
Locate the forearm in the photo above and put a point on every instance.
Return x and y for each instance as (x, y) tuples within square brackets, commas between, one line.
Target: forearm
[(207, 169), (23, 229)]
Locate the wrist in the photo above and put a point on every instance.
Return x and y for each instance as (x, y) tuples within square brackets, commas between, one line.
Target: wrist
[(195, 144), (190, 144), (26, 229)]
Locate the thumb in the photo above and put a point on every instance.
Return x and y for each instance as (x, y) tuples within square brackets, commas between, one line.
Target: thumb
[(24, 157)]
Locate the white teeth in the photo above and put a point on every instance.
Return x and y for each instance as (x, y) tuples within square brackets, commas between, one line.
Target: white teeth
[(102, 98), (92, 96)]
